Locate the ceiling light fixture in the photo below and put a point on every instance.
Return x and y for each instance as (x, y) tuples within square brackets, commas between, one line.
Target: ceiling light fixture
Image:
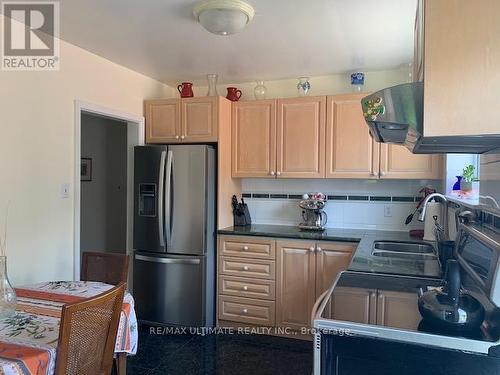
[(223, 17)]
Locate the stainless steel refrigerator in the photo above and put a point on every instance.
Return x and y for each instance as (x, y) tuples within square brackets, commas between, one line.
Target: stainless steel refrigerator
[(174, 234)]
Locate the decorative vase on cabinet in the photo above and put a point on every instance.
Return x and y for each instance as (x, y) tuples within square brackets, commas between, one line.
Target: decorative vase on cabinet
[(304, 86), (260, 91), (8, 298), (212, 84)]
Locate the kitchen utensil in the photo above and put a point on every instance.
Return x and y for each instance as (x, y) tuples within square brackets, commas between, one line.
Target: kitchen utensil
[(241, 214), (448, 307), (312, 213), (186, 90), (233, 94), (410, 216)]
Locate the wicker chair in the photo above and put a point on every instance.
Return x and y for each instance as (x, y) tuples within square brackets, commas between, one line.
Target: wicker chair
[(87, 334), (106, 267)]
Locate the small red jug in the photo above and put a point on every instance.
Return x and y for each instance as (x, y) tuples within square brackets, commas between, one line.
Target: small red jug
[(233, 94), (186, 90)]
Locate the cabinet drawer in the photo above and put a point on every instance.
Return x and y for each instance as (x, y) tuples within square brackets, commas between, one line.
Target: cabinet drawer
[(246, 247), (258, 268), (246, 310), (245, 287)]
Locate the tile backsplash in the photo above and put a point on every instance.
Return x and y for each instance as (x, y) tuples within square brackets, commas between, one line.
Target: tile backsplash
[(363, 204)]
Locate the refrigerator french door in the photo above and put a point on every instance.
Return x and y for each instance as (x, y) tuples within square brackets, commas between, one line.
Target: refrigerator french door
[(174, 234)]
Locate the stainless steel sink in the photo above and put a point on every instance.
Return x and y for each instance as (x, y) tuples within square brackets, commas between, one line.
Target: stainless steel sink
[(407, 250)]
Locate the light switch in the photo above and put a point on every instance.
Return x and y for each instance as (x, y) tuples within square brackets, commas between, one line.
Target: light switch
[(387, 210), (64, 191)]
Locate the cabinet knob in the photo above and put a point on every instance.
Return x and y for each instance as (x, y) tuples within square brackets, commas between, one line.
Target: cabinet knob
[(245, 311), (272, 173), (278, 173), (245, 268), (311, 249), (245, 287), (183, 136), (245, 247), (176, 137), (318, 249), (382, 173)]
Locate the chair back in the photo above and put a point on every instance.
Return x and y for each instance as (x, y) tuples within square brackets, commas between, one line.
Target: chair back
[(87, 334), (110, 268)]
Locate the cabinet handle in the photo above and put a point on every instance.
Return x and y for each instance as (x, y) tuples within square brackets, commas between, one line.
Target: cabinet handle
[(319, 249), (245, 247), (245, 311), (245, 287), (278, 173), (382, 173), (245, 268), (311, 249), (183, 136), (272, 173), (176, 137)]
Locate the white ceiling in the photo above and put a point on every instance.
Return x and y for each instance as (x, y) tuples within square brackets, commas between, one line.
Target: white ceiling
[(286, 39)]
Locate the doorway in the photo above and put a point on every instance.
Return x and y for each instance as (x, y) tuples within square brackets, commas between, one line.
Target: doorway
[(104, 165)]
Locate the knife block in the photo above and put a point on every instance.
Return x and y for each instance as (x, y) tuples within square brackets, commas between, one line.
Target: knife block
[(242, 218)]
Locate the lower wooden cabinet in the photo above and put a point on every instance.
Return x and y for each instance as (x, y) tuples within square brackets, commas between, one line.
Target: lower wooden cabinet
[(371, 306), (263, 281), (296, 283)]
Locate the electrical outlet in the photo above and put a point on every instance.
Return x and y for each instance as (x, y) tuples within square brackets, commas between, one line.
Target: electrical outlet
[(64, 191), (387, 211)]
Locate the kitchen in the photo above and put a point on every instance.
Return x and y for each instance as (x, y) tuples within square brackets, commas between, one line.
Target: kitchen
[(343, 222)]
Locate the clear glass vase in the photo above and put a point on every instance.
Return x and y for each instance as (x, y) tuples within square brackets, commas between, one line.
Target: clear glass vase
[(303, 86), (260, 91), (8, 298), (212, 84)]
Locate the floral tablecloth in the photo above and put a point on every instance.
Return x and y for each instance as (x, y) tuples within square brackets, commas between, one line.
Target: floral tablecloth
[(28, 339)]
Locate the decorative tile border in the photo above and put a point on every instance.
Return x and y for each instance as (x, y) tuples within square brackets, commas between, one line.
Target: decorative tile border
[(336, 197)]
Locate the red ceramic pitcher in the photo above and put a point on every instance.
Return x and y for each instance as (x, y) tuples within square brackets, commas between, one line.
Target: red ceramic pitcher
[(233, 94), (186, 90)]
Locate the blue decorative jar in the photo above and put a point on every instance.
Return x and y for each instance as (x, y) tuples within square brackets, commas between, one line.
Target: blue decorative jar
[(456, 185)]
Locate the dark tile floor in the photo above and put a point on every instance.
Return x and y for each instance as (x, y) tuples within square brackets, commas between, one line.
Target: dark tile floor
[(219, 354)]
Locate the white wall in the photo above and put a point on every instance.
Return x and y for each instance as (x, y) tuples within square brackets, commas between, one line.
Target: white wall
[(104, 199), (341, 214), (320, 85), (37, 148)]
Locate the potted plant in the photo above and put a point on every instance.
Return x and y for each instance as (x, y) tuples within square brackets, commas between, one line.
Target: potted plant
[(468, 178)]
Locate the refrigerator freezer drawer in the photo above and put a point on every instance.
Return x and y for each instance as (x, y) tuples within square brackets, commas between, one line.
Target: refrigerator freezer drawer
[(170, 290)]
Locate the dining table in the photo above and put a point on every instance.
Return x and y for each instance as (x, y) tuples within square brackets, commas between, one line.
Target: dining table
[(29, 336)]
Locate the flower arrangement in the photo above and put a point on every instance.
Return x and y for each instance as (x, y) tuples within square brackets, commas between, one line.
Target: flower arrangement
[(468, 173)]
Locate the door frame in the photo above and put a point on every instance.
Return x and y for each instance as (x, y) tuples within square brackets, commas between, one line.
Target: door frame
[(130, 120)]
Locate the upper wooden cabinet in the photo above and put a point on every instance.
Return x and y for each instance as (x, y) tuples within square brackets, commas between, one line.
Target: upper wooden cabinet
[(398, 162), (254, 138), (182, 120), (460, 65), (286, 139), (163, 120), (199, 119), (350, 150), (300, 137)]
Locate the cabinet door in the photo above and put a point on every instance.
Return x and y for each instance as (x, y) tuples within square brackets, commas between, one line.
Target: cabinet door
[(398, 310), (199, 119), (331, 259), (350, 150), (163, 120), (398, 162), (301, 137), (254, 138), (295, 283), (354, 305)]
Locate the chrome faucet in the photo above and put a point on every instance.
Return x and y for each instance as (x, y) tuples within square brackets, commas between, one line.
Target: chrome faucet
[(444, 200)]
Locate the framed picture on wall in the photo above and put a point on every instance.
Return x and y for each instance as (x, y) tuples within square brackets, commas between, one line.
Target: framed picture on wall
[(86, 169)]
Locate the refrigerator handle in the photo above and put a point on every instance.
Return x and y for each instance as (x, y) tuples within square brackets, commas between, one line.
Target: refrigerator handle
[(161, 196), (168, 197)]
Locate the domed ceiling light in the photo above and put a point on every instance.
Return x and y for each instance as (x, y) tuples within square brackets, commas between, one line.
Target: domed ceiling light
[(223, 17)]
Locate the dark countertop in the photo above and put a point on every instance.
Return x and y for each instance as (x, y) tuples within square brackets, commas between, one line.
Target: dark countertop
[(363, 260)]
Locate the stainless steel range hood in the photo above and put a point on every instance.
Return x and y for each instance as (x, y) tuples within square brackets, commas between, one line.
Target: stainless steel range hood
[(395, 115)]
